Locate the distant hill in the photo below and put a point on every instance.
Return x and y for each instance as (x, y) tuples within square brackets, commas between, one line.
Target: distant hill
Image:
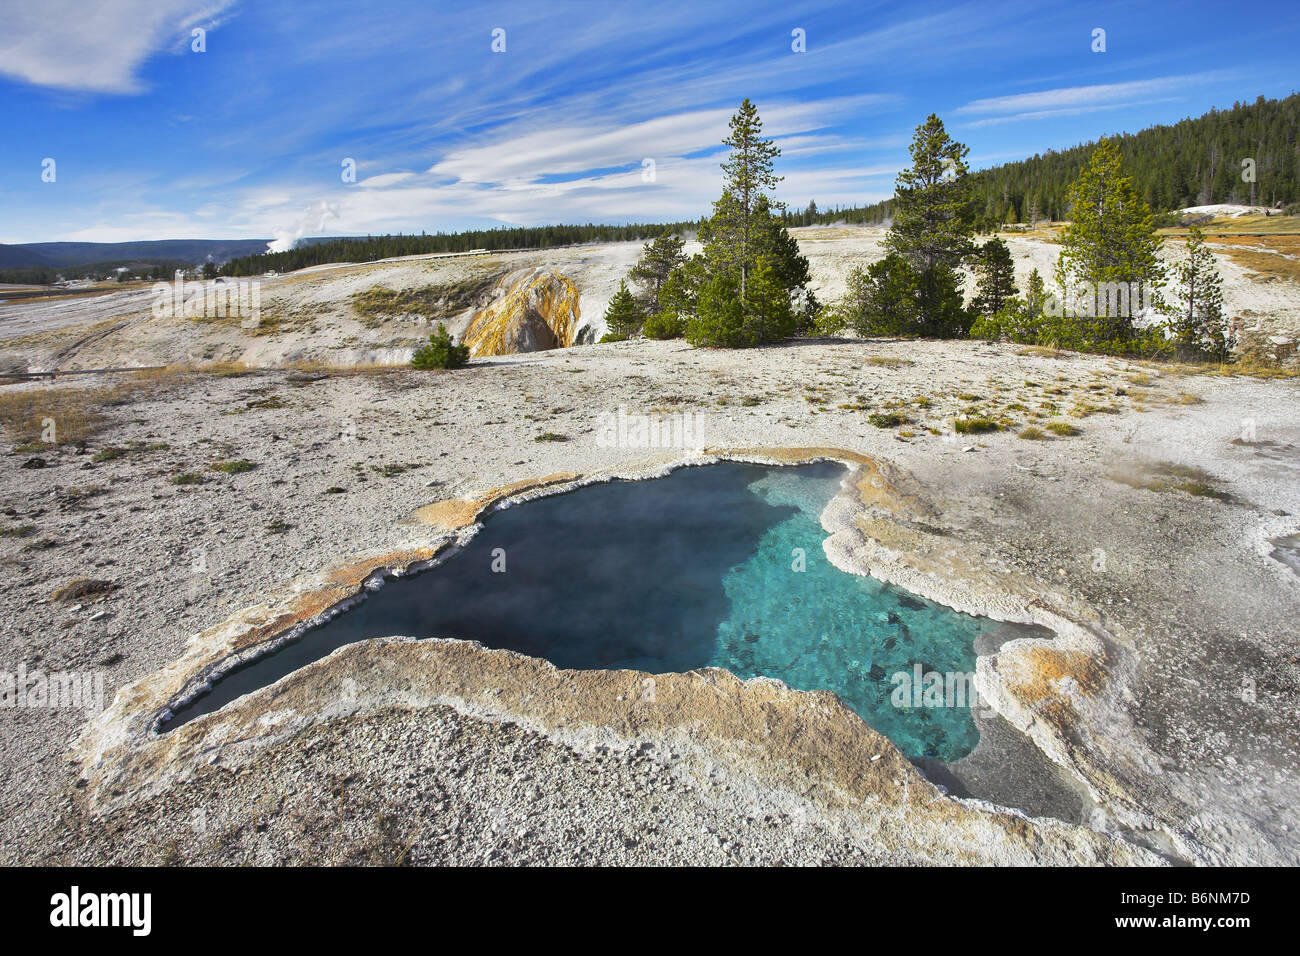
[(58, 255), (15, 256)]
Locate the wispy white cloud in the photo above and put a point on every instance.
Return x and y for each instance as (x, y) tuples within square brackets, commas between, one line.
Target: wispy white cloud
[(1065, 111), (1076, 99), (513, 155), (96, 46)]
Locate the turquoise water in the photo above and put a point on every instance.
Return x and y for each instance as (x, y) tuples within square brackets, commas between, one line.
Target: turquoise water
[(711, 566)]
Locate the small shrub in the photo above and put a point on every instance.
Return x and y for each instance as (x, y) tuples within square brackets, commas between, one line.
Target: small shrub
[(187, 478), (235, 466), (886, 419), (1064, 429), (975, 426), (441, 352), (1033, 433), (664, 325), (551, 436)]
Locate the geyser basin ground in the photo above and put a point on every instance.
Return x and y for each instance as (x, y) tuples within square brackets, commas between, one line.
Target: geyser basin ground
[(720, 565)]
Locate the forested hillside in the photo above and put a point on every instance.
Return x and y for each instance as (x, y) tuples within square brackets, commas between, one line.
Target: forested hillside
[(1192, 163)]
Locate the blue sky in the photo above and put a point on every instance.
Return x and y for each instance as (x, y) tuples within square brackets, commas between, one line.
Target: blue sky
[(153, 140)]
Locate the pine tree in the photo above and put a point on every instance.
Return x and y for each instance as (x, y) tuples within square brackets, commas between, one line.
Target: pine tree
[(933, 218), (658, 259), (746, 237), (1035, 295), (623, 317), (997, 277), (882, 299), (719, 320), (775, 247), (748, 175), (1111, 237), (441, 352), (1199, 327), (934, 224)]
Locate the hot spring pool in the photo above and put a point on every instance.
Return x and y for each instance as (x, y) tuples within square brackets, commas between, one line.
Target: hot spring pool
[(696, 569)]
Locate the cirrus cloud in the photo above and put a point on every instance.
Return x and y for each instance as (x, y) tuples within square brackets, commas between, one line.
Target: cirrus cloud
[(93, 45)]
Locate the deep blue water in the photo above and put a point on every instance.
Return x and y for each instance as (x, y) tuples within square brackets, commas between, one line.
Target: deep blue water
[(695, 569)]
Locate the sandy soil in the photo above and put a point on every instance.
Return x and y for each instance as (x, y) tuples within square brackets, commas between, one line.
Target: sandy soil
[(1168, 700)]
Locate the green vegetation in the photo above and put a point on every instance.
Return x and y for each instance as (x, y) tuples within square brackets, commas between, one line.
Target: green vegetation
[(750, 285), (623, 316), (235, 466), (1111, 238), (996, 281), (1200, 328), (1064, 429), (933, 225), (654, 270), (114, 452), (151, 269), (880, 300), (664, 325), (917, 289), (886, 419), (1109, 271), (441, 352), (1168, 476), (1193, 162), (975, 425), (377, 304)]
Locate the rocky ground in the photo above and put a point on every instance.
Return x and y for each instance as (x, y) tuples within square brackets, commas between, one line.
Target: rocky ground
[(1170, 700)]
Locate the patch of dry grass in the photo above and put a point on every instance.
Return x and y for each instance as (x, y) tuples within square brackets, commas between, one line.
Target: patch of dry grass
[(1044, 351), (378, 304), (1064, 429), (888, 361), (975, 425), (1250, 368), (57, 415)]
